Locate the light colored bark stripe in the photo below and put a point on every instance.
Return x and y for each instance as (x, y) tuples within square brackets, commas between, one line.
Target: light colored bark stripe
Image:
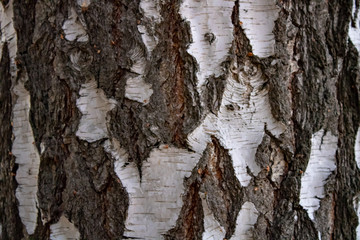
[(23, 148), (155, 203), (213, 230), (74, 29), (356, 202), (94, 105), (354, 32), (136, 88), (27, 157), (245, 222), (151, 11), (320, 166), (357, 198), (64, 230), (212, 34), (8, 33), (84, 3), (258, 20), (357, 148)]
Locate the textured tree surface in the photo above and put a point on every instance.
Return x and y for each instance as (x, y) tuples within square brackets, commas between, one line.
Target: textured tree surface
[(179, 119)]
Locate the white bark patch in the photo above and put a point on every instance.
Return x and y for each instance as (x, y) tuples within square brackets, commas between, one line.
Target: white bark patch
[(84, 3), (212, 34), (27, 157), (200, 137), (320, 166), (213, 230), (258, 20), (241, 128), (64, 230), (126, 172), (245, 222), (356, 202), (354, 32), (357, 148), (8, 34), (94, 105), (357, 198), (155, 204), (151, 11), (74, 29), (277, 170), (136, 88)]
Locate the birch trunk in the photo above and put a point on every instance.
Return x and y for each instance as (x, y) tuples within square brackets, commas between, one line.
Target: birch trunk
[(179, 119)]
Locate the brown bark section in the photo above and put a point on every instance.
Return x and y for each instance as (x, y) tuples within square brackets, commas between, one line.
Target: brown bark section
[(348, 175), (174, 108), (317, 90), (77, 178), (190, 224), (213, 176)]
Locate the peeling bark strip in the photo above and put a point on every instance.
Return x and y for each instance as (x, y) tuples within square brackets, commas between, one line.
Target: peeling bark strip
[(179, 119)]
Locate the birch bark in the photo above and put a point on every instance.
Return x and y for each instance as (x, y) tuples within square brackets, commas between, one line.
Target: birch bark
[(181, 119)]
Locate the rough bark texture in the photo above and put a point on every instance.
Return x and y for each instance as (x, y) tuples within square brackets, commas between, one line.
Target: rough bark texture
[(9, 212), (113, 84)]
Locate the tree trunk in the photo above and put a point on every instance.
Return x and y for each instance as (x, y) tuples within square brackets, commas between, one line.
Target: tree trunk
[(179, 119)]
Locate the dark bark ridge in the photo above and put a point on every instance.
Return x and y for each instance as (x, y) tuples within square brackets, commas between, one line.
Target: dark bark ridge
[(174, 108)]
